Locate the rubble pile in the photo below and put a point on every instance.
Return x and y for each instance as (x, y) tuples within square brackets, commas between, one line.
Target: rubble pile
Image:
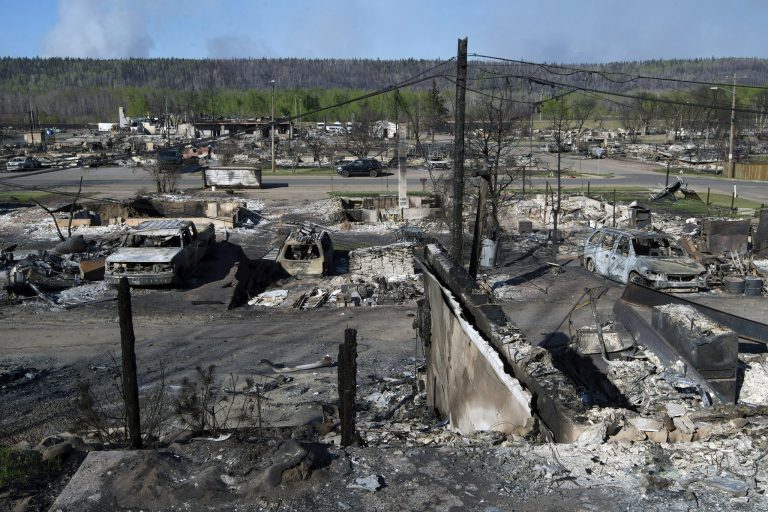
[(326, 211), (754, 388), (392, 262)]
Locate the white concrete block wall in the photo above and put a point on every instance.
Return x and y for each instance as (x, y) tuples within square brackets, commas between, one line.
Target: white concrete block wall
[(389, 261)]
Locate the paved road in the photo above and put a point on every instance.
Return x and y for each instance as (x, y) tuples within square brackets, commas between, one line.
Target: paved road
[(121, 182), (631, 173)]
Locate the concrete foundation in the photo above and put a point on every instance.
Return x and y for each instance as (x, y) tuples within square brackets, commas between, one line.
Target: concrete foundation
[(466, 380), (563, 418)]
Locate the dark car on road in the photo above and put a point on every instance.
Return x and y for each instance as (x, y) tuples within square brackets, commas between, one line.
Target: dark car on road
[(169, 157), (360, 167)]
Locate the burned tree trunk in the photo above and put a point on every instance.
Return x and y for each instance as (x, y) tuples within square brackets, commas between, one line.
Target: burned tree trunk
[(347, 375), (130, 380)]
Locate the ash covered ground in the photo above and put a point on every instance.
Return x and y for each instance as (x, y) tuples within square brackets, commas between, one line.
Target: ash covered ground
[(285, 454)]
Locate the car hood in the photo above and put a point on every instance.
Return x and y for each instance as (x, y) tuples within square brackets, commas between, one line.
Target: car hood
[(674, 266), (143, 255)]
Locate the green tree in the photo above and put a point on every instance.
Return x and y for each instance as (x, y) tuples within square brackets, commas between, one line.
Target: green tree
[(435, 109), (137, 102)]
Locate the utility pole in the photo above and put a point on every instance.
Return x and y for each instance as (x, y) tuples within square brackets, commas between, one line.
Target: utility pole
[(31, 124), (272, 129), (457, 247), (731, 165)]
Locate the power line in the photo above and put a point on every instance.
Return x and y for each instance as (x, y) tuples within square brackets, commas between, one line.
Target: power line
[(654, 99), (604, 74)]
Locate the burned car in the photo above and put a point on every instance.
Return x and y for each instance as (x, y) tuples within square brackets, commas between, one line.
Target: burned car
[(159, 252), (307, 251), (642, 257)]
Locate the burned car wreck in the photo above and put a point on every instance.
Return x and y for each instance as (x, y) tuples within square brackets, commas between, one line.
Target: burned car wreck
[(644, 258), (159, 252), (307, 251)]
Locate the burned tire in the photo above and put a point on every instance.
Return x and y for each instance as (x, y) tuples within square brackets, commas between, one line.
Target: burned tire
[(374, 173), (636, 278), (590, 265), (345, 174)]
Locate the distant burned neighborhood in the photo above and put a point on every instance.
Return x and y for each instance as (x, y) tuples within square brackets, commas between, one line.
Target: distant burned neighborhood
[(486, 287)]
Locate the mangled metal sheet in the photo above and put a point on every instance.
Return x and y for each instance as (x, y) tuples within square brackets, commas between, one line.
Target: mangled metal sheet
[(744, 327), (706, 345), (635, 321), (725, 236), (760, 238)]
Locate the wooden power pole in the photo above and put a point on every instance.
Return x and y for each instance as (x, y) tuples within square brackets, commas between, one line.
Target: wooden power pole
[(457, 238)]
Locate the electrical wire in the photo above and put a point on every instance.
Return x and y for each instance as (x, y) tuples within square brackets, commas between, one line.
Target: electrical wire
[(656, 99), (604, 74)]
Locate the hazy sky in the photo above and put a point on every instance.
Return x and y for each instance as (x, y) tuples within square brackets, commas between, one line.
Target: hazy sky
[(555, 30)]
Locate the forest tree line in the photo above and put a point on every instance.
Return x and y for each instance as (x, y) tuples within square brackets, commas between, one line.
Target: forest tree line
[(67, 90)]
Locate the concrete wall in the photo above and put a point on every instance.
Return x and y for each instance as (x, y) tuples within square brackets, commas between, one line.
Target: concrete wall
[(466, 379), (564, 418)]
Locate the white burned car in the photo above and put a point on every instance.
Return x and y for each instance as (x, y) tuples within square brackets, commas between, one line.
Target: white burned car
[(159, 252), (650, 259)]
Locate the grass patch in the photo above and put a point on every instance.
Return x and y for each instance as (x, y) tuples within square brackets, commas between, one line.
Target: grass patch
[(23, 469), (24, 196), (686, 171), (299, 171), (351, 193)]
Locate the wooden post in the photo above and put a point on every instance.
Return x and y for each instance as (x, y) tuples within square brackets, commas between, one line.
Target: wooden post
[(614, 207), (347, 377), (667, 182), (130, 381), (457, 235), (708, 188)]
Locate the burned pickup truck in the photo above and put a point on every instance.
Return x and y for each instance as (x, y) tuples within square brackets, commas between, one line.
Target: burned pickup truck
[(159, 252), (641, 257)]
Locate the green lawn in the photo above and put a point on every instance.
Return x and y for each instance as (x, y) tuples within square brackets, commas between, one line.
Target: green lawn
[(21, 470), (299, 171), (674, 171), (364, 193), (24, 196)]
